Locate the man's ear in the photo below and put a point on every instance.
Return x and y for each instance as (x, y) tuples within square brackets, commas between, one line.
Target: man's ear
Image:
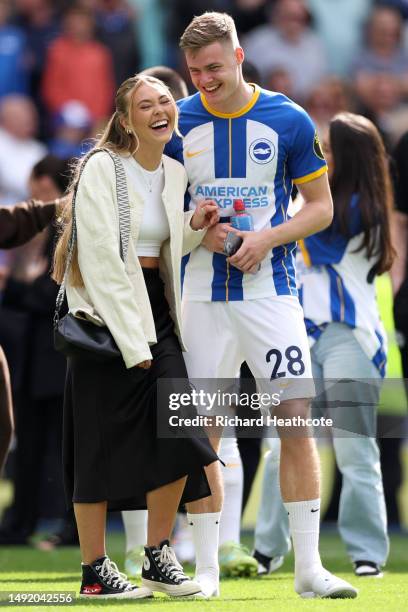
[(239, 55)]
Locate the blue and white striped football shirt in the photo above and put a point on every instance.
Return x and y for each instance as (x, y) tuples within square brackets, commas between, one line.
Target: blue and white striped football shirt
[(333, 287), (253, 154)]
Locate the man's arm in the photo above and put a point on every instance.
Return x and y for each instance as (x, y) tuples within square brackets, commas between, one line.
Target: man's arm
[(19, 223), (315, 215)]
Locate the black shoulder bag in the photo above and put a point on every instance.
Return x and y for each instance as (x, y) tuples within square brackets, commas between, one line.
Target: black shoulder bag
[(73, 336)]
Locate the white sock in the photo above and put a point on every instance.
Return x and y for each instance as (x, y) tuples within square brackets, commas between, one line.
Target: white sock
[(304, 524), (135, 523), (205, 537), (233, 476)]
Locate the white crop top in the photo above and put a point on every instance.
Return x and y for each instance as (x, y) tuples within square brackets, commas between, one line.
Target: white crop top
[(154, 229)]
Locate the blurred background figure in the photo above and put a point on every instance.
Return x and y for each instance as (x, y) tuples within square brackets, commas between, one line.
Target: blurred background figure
[(19, 150), (399, 271), (78, 67), (39, 21), (382, 52), (115, 23), (31, 292), (13, 54), (329, 97), (280, 80), (339, 24), (72, 126), (288, 42), (382, 101)]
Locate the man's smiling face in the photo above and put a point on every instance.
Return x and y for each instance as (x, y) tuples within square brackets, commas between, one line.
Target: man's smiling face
[(214, 71)]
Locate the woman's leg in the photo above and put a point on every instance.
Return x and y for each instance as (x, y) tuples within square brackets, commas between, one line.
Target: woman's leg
[(162, 506), (362, 510), (91, 524)]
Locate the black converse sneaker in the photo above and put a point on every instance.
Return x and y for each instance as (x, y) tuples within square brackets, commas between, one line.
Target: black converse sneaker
[(102, 580), (162, 572)]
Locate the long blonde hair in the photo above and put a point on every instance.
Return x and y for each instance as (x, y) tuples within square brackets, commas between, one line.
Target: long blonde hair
[(119, 136)]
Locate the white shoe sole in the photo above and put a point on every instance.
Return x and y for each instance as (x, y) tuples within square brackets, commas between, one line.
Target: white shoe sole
[(201, 595), (140, 593), (189, 588), (337, 594)]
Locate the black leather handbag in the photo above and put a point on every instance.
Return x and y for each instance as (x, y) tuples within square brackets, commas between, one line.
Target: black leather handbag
[(79, 337)]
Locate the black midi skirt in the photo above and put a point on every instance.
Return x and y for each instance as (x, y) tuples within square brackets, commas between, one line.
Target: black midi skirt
[(111, 450)]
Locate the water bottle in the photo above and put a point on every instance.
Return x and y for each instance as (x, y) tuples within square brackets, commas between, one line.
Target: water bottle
[(242, 220)]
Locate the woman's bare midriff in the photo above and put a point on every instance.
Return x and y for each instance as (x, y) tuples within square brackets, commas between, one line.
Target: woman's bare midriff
[(149, 262)]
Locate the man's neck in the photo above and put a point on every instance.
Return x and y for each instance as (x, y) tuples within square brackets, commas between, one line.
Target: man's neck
[(240, 98)]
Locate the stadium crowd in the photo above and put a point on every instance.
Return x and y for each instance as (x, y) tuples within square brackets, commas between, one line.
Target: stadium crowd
[(60, 65)]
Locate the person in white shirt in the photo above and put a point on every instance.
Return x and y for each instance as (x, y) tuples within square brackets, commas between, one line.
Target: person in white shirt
[(113, 456), (19, 151), (289, 43)]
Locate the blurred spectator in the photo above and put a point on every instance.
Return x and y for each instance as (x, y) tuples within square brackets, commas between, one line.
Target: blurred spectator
[(399, 271), (116, 29), (30, 290), (383, 51), (38, 20), (78, 67), (249, 14), (150, 23), (288, 43), (329, 97), (401, 5), (280, 80), (18, 149), (339, 24), (72, 126), (182, 12), (13, 54), (382, 100)]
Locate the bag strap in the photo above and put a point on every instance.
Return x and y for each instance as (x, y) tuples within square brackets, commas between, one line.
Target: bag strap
[(122, 200)]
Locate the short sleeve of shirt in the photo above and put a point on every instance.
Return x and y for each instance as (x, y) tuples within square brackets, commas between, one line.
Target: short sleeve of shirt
[(305, 158)]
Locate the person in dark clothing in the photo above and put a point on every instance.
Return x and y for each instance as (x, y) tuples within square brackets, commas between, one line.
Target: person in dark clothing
[(39, 411), (399, 271), (21, 222), (115, 28), (18, 224)]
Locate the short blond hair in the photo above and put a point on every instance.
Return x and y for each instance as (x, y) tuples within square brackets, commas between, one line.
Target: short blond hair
[(208, 28)]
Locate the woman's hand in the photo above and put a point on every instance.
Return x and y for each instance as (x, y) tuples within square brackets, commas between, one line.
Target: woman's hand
[(145, 365), (206, 215)]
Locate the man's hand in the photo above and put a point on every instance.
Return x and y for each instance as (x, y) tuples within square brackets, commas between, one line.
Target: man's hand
[(206, 215), (253, 250), (215, 237)]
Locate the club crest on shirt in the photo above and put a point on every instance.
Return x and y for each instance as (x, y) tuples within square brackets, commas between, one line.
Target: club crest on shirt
[(317, 147), (262, 151)]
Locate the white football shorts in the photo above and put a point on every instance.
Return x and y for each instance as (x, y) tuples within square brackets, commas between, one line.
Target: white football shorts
[(268, 333)]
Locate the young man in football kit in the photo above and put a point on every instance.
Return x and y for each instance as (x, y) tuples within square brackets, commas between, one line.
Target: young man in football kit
[(242, 142)]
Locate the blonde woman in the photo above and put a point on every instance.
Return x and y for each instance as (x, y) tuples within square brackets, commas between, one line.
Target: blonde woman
[(113, 458)]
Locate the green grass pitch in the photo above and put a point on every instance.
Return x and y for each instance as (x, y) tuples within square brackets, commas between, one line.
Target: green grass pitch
[(23, 569)]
